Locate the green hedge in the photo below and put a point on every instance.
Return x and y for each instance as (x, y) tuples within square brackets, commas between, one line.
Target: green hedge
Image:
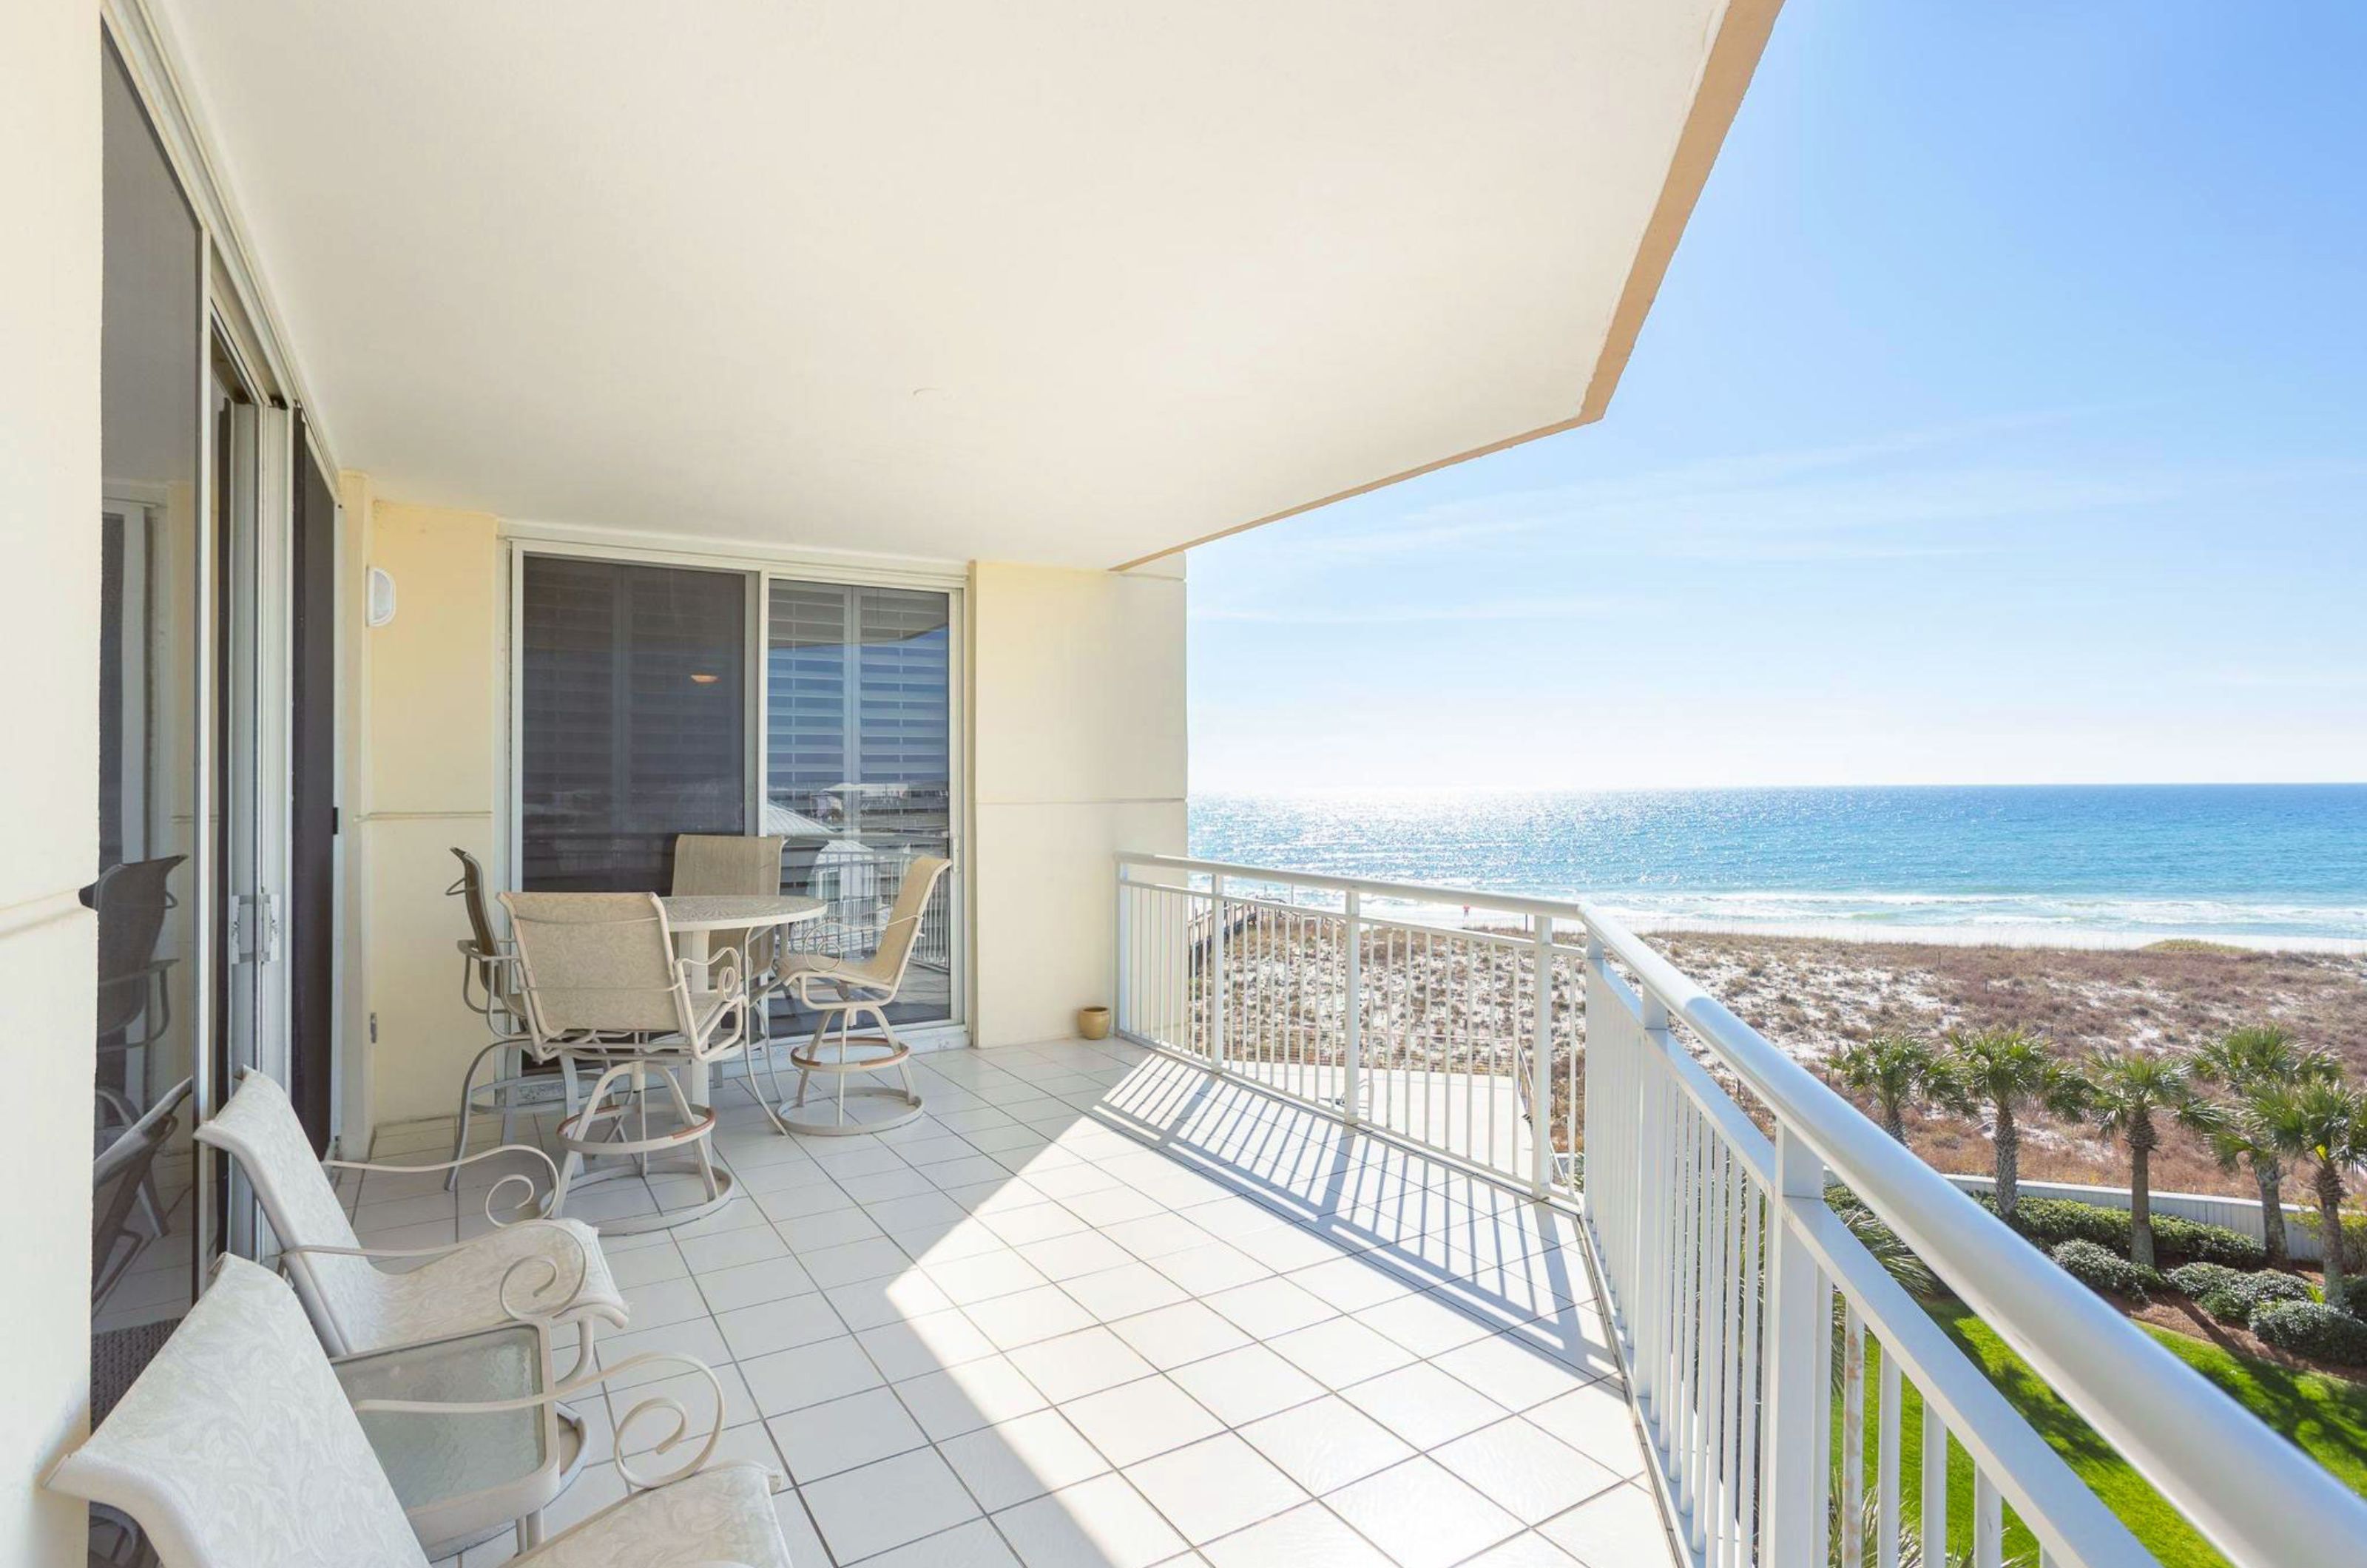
[(2242, 1300), (2199, 1280), (2314, 1329), (2050, 1222), (2101, 1269)]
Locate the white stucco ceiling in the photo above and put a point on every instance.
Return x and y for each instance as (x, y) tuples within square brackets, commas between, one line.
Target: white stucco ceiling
[(1064, 282)]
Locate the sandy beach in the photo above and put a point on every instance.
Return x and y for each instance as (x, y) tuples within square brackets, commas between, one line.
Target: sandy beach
[(1811, 994)]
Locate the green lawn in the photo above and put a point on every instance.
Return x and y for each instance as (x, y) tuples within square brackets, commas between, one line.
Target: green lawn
[(2325, 1415)]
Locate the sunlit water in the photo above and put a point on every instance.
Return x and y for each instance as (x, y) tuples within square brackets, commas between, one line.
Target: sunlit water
[(2119, 862)]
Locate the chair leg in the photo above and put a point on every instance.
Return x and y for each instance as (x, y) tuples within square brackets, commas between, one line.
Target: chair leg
[(904, 1068), (468, 1102), (512, 1069), (641, 1110), (574, 1160), (772, 1065), (699, 1147), (762, 1038), (568, 1166), (846, 1032), (813, 1049)]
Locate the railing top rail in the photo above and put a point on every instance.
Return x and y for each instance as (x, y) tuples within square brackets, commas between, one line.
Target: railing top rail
[(2256, 1496), (1411, 892)]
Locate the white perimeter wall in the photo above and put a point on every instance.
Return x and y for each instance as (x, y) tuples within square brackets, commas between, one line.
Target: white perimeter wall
[(50, 181), (1079, 741)]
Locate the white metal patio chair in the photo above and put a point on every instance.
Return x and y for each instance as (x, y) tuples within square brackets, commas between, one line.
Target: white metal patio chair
[(840, 992), (118, 1178), (486, 989), (535, 1266), (236, 1449), (597, 975)]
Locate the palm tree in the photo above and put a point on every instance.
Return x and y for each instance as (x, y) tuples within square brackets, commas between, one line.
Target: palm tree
[(2247, 1061), (1893, 1069), (2124, 1093), (2005, 1072), (2323, 1121)]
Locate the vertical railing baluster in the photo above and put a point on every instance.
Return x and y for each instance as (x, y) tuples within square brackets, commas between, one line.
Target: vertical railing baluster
[(1217, 984), (1541, 1112), (1988, 1522), (1650, 1203), (1352, 1033), (1795, 1444), (1852, 1438), (1748, 1382), (1886, 1514), (1709, 1442), (1122, 982), (1934, 1500), (1821, 1516)]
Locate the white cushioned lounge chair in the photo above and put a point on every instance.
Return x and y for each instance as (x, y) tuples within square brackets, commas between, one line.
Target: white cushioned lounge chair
[(236, 1449), (546, 1268)]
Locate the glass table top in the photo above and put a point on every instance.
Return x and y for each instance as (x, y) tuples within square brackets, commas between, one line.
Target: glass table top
[(430, 1457)]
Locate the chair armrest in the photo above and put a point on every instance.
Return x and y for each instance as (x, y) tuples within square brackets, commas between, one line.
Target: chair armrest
[(845, 982), (701, 976), (552, 1273), (547, 1164), (396, 1169), (655, 1403), (316, 1251)]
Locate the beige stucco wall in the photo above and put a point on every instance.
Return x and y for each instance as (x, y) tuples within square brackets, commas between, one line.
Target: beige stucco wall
[(428, 775), (48, 803), (1076, 728), (1078, 745)]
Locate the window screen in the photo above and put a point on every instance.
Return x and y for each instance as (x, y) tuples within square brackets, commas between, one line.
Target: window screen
[(634, 721)]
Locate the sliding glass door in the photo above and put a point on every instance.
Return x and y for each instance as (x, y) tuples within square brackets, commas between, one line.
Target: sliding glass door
[(147, 897), (654, 700), (858, 765)]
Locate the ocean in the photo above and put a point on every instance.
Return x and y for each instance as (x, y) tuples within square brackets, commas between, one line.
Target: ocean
[(2266, 864)]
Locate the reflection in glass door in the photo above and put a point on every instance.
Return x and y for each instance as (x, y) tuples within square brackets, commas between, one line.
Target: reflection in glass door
[(146, 892)]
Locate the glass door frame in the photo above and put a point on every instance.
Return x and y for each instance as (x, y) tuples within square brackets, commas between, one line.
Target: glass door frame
[(760, 571), (244, 744)]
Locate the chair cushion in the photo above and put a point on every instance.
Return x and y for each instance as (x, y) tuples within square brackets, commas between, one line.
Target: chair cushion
[(461, 1291), (723, 1515), (236, 1448)]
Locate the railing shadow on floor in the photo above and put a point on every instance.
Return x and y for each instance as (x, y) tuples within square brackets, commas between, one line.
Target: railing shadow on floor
[(1556, 1316)]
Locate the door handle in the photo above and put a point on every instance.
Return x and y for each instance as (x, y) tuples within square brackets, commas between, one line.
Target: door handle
[(255, 922)]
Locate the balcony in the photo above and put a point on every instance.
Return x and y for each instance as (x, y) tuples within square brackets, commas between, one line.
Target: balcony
[(1273, 1276), (1102, 1307), (1798, 1406)]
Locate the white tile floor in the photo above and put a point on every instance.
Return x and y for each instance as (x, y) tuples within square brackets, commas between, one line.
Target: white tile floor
[(1097, 1309)]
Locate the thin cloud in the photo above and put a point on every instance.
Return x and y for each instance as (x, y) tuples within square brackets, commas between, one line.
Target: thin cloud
[(1553, 609)]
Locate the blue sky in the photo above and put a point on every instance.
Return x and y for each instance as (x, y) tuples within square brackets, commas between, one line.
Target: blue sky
[(2003, 418)]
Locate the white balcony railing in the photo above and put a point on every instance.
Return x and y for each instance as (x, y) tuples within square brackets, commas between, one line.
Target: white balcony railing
[(1777, 1368)]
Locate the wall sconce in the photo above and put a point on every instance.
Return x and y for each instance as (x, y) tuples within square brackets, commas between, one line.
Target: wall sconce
[(381, 596)]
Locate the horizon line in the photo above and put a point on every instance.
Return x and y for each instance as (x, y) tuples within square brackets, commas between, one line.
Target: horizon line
[(1496, 788)]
